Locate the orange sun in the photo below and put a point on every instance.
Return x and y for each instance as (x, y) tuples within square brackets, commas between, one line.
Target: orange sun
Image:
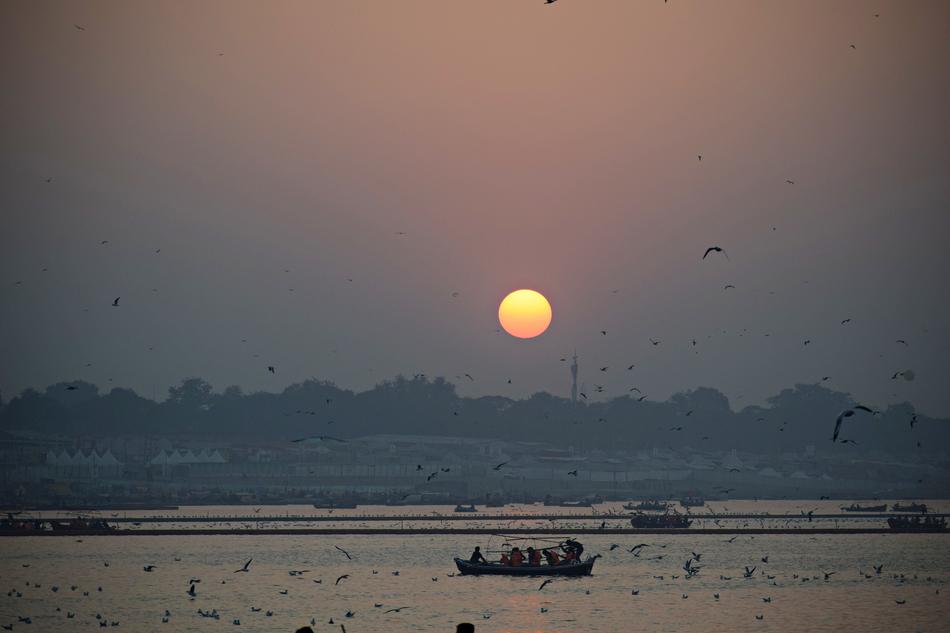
[(525, 313)]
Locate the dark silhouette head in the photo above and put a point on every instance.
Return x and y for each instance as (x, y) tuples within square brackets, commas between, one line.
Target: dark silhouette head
[(465, 627)]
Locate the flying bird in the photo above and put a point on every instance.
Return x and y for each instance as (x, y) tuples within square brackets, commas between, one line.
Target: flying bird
[(192, 591), (79, 28), (498, 467), (347, 554), (843, 321), (341, 578), (572, 473), (544, 584), (847, 413), (728, 286), (791, 182), (395, 610), (902, 342), (115, 302), (245, 568), (717, 249)]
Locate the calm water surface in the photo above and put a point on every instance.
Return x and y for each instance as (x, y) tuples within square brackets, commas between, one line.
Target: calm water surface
[(847, 601)]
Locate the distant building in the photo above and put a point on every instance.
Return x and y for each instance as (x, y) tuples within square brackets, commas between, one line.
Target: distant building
[(79, 464)]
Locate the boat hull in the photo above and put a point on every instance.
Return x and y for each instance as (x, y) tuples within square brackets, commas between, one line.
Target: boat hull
[(492, 569)]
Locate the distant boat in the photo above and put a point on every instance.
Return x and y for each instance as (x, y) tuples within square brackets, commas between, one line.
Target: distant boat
[(497, 569), (918, 524), (334, 504), (910, 507), (854, 507), (658, 506), (469, 508), (660, 521)]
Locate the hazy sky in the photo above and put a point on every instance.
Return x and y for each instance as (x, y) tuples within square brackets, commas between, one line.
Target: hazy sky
[(274, 151)]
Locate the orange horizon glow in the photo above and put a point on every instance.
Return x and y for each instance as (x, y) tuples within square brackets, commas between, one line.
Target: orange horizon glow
[(525, 313)]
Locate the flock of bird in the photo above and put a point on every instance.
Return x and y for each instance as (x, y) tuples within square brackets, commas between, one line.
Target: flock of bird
[(655, 556)]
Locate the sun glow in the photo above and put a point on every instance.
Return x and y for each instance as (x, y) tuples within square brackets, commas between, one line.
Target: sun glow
[(525, 313)]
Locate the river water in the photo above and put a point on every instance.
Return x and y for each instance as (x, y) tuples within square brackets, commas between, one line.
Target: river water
[(916, 568)]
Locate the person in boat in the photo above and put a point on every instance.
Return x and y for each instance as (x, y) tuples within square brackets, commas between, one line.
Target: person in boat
[(534, 557), (570, 545), (516, 557), (551, 556), (476, 556), (504, 560)]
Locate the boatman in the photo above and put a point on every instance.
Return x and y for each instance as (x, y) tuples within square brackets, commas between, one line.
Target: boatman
[(476, 556)]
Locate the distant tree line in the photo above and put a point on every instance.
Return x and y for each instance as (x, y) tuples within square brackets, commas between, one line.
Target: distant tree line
[(701, 418)]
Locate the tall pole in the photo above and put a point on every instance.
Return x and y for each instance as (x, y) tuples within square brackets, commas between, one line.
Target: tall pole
[(574, 379)]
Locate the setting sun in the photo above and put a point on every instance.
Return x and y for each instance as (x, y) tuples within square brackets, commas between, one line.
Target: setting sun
[(525, 313)]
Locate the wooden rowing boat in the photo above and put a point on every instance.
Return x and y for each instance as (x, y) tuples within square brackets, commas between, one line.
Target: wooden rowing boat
[(497, 569)]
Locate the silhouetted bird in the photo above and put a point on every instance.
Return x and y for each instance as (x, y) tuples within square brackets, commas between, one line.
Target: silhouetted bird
[(79, 28), (115, 302), (341, 578), (346, 553), (544, 584), (716, 249), (498, 467), (573, 473)]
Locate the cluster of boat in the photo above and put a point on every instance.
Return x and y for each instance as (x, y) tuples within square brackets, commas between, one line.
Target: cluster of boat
[(920, 508), (15, 526), (918, 523)]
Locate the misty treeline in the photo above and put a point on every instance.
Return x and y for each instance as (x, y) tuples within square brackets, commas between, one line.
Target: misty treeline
[(700, 418)]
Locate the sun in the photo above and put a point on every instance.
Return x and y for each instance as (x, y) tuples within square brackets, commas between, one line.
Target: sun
[(525, 313)]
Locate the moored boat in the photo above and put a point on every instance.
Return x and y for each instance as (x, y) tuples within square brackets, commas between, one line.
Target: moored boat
[(652, 504), (660, 521), (910, 507), (854, 507), (334, 504), (918, 524), (498, 569), (692, 501), (469, 508)]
